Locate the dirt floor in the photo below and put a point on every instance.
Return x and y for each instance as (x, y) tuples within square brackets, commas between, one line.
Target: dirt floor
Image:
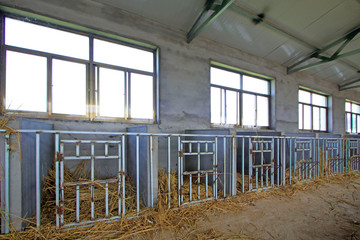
[(324, 209), (329, 211), (307, 211)]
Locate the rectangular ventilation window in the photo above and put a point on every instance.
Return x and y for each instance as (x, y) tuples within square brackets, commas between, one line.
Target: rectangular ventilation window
[(352, 117), (239, 99), (57, 71), (313, 110)]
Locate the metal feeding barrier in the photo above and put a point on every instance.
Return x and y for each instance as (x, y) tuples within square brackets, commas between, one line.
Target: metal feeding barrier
[(123, 177)]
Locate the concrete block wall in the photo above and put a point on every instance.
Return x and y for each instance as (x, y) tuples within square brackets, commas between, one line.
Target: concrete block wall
[(185, 70)]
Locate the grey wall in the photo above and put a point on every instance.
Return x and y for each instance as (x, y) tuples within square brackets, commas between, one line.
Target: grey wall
[(184, 69)]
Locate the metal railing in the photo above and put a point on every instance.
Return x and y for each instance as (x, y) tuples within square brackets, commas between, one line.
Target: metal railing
[(123, 169)]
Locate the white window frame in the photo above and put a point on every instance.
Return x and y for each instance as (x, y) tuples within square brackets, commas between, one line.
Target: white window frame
[(311, 105), (352, 115), (240, 92), (92, 112)]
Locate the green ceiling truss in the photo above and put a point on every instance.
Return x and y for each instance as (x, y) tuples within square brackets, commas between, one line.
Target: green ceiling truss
[(350, 85), (324, 59), (204, 20)]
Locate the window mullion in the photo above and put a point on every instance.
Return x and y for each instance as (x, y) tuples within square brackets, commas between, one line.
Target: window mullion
[(49, 85)]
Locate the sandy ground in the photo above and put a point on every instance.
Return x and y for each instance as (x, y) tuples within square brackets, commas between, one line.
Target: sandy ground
[(325, 211)]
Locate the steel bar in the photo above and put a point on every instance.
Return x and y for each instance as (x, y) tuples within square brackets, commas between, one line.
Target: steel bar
[(123, 174), (92, 180), (77, 203), (233, 165), (137, 174), (190, 188), (250, 163), (277, 163), (169, 170), (215, 179), (243, 166), (284, 163), (38, 181), (272, 160), (62, 207), (151, 172), (198, 168), (119, 177), (179, 171), (224, 171), (206, 185), (57, 191), (290, 159), (106, 200), (7, 184)]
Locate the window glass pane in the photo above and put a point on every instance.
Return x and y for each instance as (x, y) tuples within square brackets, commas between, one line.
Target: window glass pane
[(40, 38), (348, 107), (355, 108), (255, 85), (319, 100), (354, 122), (68, 87), (120, 55), (304, 96), (307, 117), (316, 118), (231, 107), (300, 116), (348, 122), (262, 111), (249, 108), (224, 78), (323, 118), (111, 93), (141, 96), (26, 82), (215, 105)]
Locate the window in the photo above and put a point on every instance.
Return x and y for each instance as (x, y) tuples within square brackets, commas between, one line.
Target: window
[(352, 117), (313, 110), (238, 98), (53, 71)]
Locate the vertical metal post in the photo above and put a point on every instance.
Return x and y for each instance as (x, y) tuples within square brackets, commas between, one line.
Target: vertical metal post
[(123, 171), (38, 180), (190, 188), (243, 166), (151, 173), (57, 192), (216, 167), (119, 177), (250, 163), (92, 180), (262, 162), (284, 163), (198, 169), (179, 171), (295, 158), (169, 171), (77, 203), (62, 204), (137, 174), (277, 162), (106, 200), (272, 144), (224, 165), (7, 184), (233, 168), (290, 160)]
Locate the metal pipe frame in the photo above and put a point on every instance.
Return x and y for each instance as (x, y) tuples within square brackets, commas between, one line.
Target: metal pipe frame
[(336, 149)]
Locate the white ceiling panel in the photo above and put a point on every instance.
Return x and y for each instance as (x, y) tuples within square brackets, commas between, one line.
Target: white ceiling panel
[(179, 14), (240, 32), (333, 25)]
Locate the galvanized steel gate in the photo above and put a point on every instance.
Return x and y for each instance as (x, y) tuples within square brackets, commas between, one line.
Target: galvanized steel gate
[(92, 151)]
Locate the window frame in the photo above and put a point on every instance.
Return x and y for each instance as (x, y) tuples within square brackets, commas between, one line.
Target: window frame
[(240, 93), (92, 107), (311, 105), (351, 117)]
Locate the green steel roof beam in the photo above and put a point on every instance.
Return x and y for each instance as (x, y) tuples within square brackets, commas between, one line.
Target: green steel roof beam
[(210, 5), (346, 86), (335, 56)]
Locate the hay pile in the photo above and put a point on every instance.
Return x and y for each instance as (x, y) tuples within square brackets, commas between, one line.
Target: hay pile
[(81, 173)]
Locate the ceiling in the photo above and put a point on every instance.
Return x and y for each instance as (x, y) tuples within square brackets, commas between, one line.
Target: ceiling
[(283, 31)]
